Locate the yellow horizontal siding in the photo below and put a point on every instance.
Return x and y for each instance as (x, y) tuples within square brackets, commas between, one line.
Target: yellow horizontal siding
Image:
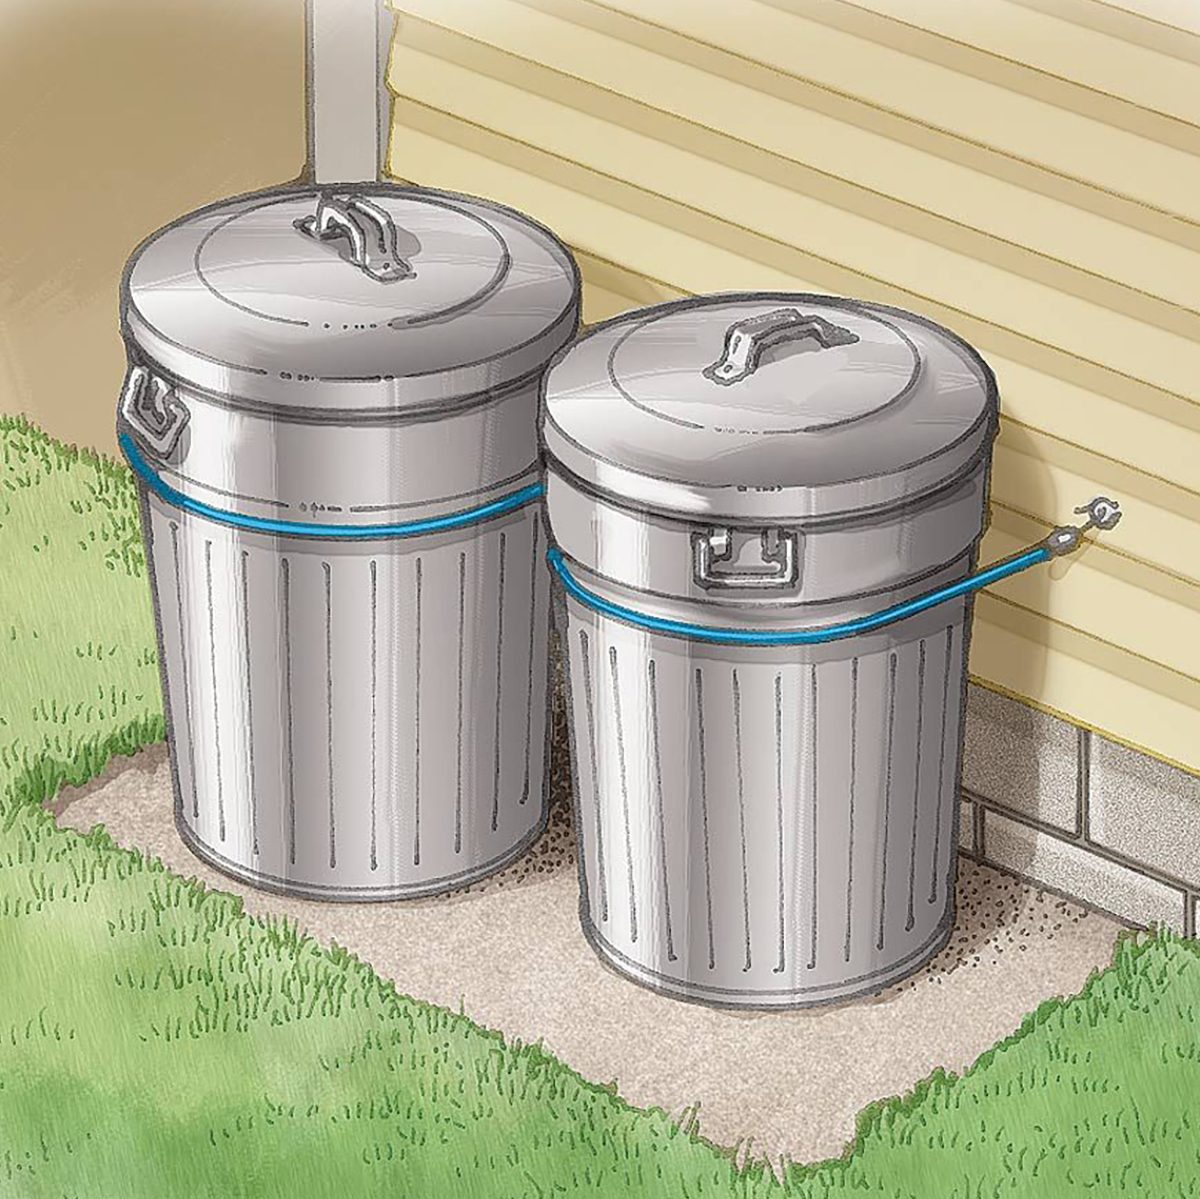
[(1178, 14), (1006, 42), (1172, 29), (1017, 125), (673, 172), (610, 290)]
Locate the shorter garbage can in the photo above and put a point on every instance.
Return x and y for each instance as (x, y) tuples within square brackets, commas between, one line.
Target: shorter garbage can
[(331, 411), (764, 513)]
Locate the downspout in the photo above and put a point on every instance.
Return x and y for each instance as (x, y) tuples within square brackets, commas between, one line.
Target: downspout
[(348, 104)]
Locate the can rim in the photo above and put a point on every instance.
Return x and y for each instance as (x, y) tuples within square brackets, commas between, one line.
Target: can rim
[(630, 485), (339, 396), (824, 520)]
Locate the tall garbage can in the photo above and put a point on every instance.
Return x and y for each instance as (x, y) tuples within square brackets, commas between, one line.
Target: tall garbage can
[(767, 815), (331, 411)]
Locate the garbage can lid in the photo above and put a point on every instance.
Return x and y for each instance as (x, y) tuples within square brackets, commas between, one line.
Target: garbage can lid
[(351, 297), (767, 406)]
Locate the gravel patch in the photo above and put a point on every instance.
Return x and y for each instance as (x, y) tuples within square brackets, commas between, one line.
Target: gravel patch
[(509, 953)]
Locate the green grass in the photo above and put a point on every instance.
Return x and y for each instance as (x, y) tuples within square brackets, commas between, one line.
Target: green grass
[(157, 1041)]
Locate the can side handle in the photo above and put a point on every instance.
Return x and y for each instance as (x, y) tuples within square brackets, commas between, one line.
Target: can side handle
[(777, 567), (153, 410)]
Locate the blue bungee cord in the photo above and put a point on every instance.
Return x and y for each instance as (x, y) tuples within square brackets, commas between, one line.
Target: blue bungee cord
[(1102, 513), (293, 528)]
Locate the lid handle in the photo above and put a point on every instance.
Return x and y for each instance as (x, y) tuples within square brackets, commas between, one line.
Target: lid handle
[(370, 229), (746, 340)]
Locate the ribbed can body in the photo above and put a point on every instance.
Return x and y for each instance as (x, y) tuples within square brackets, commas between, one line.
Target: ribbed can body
[(766, 827), (354, 719)]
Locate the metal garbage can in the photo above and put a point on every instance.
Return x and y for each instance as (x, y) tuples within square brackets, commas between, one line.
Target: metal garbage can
[(765, 822), (331, 411)]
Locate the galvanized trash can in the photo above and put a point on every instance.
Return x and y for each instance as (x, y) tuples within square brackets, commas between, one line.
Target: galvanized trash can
[(765, 824), (331, 409)]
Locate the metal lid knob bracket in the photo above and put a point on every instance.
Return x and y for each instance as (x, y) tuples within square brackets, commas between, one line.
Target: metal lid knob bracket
[(745, 340), (369, 229)]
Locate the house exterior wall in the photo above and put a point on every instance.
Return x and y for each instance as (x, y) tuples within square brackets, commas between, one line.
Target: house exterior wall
[(119, 117), (1080, 814), (1026, 172)]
